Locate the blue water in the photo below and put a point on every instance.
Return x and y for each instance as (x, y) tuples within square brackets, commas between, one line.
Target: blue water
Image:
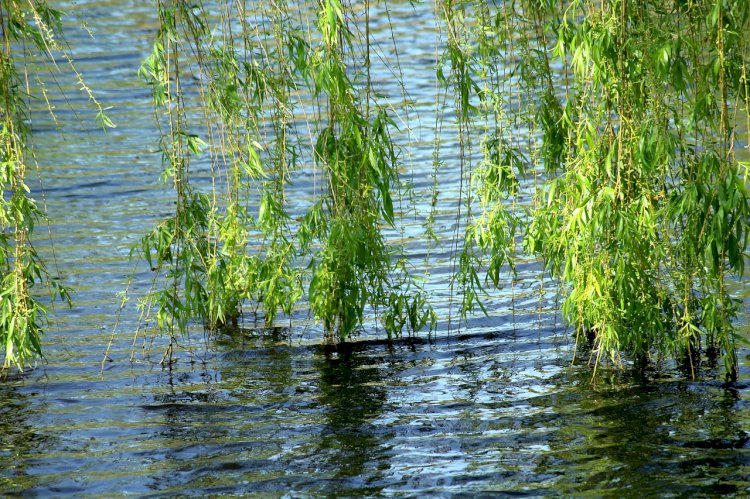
[(497, 405)]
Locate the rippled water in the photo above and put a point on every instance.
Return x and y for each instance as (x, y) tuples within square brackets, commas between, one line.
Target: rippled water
[(495, 407)]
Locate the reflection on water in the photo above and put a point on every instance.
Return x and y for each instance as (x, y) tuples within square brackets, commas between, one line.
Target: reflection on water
[(651, 438), (264, 413), (352, 393), (17, 438), (496, 409)]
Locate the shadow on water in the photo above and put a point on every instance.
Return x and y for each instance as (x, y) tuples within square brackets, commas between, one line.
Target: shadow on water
[(220, 429), (18, 438), (632, 436), (352, 393), (265, 415)]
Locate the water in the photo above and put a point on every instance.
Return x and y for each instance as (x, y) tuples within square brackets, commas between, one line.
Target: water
[(496, 407)]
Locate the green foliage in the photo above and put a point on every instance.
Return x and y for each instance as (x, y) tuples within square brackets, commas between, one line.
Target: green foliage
[(479, 81), (213, 256), (619, 116), (22, 315), (354, 267), (649, 213), (622, 118)]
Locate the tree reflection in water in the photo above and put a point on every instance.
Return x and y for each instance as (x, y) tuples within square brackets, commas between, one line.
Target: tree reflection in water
[(18, 438), (353, 393)]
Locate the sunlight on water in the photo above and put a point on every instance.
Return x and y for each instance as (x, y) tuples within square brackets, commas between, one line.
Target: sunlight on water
[(494, 407)]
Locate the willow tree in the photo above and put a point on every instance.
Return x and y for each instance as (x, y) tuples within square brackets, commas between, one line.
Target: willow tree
[(645, 214), (235, 242), (355, 268), (624, 114), (28, 29)]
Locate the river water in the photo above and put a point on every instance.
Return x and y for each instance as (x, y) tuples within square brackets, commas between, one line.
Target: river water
[(495, 406)]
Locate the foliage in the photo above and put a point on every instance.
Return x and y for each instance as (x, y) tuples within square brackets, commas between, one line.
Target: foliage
[(26, 27), (478, 77), (640, 208), (207, 265), (620, 118), (354, 268), (649, 212)]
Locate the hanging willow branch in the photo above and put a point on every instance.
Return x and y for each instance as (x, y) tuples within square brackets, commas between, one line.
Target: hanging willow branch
[(649, 213), (625, 113), (25, 27)]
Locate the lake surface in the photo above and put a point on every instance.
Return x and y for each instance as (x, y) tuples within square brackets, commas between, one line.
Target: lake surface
[(495, 406)]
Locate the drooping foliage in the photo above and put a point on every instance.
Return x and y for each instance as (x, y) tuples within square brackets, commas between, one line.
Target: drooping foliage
[(28, 29), (645, 211), (253, 65), (621, 119), (602, 137)]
